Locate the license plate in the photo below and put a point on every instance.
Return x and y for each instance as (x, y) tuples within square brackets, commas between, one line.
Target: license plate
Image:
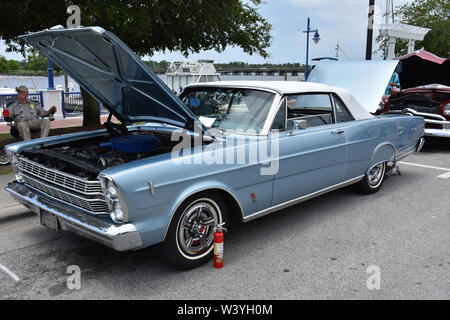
[(49, 220)]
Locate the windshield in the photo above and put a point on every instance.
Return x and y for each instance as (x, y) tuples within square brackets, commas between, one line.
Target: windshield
[(229, 109)]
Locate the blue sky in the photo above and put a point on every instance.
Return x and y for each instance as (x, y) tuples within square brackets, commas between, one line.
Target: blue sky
[(345, 20)]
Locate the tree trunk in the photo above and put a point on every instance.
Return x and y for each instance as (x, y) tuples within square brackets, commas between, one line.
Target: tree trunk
[(66, 82), (91, 114)]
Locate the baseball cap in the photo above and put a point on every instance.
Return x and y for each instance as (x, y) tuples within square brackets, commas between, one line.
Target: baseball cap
[(22, 89)]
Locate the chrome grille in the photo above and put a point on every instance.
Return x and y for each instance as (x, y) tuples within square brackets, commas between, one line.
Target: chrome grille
[(61, 179), (94, 205), (82, 193)]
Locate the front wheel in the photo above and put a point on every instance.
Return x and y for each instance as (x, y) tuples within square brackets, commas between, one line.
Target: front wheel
[(373, 179), (4, 159), (190, 239)]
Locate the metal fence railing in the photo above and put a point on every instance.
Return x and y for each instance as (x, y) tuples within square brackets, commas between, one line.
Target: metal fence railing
[(72, 104), (6, 99)]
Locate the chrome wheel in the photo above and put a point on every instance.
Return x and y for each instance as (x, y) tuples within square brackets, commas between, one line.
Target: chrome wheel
[(195, 230), (189, 241), (375, 175), (4, 159)]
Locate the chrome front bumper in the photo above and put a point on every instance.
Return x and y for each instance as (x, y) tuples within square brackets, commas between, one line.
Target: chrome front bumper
[(118, 237), (442, 133)]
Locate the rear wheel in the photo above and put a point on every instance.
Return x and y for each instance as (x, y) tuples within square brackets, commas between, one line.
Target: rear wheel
[(190, 239), (373, 179)]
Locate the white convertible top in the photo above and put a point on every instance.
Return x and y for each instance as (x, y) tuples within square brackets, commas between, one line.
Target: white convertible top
[(293, 87)]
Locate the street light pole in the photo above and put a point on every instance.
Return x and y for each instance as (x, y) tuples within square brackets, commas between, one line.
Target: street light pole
[(316, 39), (307, 50)]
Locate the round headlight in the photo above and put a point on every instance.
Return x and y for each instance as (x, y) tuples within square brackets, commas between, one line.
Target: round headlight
[(446, 110), (118, 210), (117, 214), (111, 193)]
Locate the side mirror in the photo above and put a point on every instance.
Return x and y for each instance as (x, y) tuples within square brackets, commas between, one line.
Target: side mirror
[(297, 125)]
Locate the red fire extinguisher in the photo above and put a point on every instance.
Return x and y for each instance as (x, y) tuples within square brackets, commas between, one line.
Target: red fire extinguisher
[(218, 245)]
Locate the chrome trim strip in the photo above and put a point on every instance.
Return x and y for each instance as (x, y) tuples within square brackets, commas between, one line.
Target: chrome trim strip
[(224, 84), (118, 237), (301, 199), (379, 147), (273, 113), (276, 103), (420, 145)]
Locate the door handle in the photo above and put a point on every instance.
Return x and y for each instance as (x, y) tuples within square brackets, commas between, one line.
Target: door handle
[(338, 131)]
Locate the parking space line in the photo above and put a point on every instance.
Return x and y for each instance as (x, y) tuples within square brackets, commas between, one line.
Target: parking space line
[(445, 175), (9, 272), (442, 176)]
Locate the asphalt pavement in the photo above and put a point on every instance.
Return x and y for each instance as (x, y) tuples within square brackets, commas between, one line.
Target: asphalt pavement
[(394, 244)]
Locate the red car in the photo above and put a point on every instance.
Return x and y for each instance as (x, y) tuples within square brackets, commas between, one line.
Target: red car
[(425, 84)]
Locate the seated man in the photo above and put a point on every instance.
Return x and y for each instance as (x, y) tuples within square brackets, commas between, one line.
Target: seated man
[(27, 115)]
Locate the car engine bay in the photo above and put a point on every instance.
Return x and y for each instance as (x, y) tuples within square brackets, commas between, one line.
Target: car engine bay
[(86, 158), (421, 102)]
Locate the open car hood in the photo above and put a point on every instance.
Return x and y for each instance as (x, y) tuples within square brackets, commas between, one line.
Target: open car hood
[(367, 80), (422, 68), (104, 65)]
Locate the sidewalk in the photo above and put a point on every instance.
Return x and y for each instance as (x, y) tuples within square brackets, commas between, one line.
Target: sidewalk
[(67, 122)]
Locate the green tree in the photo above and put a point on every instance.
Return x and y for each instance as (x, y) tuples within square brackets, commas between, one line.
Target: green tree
[(401, 46), (161, 65), (8, 65), (36, 61), (3, 64), (12, 65), (432, 14), (148, 26)]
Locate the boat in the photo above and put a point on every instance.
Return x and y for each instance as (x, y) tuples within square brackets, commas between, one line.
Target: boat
[(181, 74)]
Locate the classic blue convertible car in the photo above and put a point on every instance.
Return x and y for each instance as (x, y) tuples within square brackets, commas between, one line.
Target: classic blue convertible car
[(176, 167)]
